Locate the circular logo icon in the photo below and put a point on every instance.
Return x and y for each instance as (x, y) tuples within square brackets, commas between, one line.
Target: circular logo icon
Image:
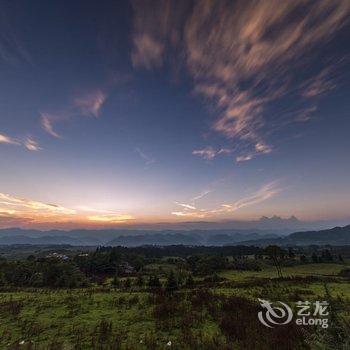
[(274, 315)]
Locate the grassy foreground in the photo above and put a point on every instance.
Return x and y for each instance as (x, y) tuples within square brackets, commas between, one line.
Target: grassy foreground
[(215, 315)]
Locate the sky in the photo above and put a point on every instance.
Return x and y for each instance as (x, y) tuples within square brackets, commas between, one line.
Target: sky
[(115, 112)]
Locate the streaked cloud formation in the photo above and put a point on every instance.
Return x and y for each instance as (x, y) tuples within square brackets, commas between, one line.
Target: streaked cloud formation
[(22, 206), (46, 122), (149, 160), (9, 140), (206, 153), (186, 206), (201, 195), (29, 143), (320, 84), (88, 105), (12, 50), (264, 193), (242, 56), (190, 209), (210, 153), (244, 158), (15, 210), (155, 30)]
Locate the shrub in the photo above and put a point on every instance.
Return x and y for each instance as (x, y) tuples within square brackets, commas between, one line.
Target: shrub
[(344, 273)]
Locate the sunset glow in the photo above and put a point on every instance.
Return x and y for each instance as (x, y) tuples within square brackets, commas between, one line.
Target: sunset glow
[(136, 113)]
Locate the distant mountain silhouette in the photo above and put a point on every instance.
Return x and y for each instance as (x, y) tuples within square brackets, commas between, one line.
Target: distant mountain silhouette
[(130, 238), (288, 225), (214, 237), (156, 239), (45, 240), (284, 225), (334, 236)]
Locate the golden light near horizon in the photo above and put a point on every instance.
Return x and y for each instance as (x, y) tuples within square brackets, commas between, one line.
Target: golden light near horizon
[(111, 218), (32, 212)]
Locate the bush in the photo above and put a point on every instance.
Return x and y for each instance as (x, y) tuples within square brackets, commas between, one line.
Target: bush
[(344, 273), (246, 265)]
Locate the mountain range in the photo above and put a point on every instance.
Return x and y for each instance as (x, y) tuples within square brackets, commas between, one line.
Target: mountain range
[(131, 238), (335, 236), (210, 237), (284, 225)]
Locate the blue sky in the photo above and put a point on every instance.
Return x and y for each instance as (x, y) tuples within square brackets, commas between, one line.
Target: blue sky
[(127, 112)]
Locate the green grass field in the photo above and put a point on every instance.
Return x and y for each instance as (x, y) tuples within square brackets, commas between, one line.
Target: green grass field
[(82, 318), (299, 270)]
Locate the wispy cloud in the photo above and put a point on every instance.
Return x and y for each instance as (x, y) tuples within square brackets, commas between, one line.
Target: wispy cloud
[(319, 84), (12, 49), (149, 160), (260, 148), (29, 143), (46, 122), (147, 51), (206, 153), (244, 158), (28, 212), (28, 206), (264, 193), (210, 153), (188, 214), (192, 206), (90, 103), (304, 114), (242, 57), (9, 140), (201, 195), (155, 28), (87, 104), (187, 206)]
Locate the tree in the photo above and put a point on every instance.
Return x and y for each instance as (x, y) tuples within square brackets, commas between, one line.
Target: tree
[(115, 281), (171, 284), (154, 282), (140, 282), (2, 279), (215, 278), (303, 259), (127, 283), (326, 255), (189, 281), (31, 258), (276, 254), (291, 253)]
